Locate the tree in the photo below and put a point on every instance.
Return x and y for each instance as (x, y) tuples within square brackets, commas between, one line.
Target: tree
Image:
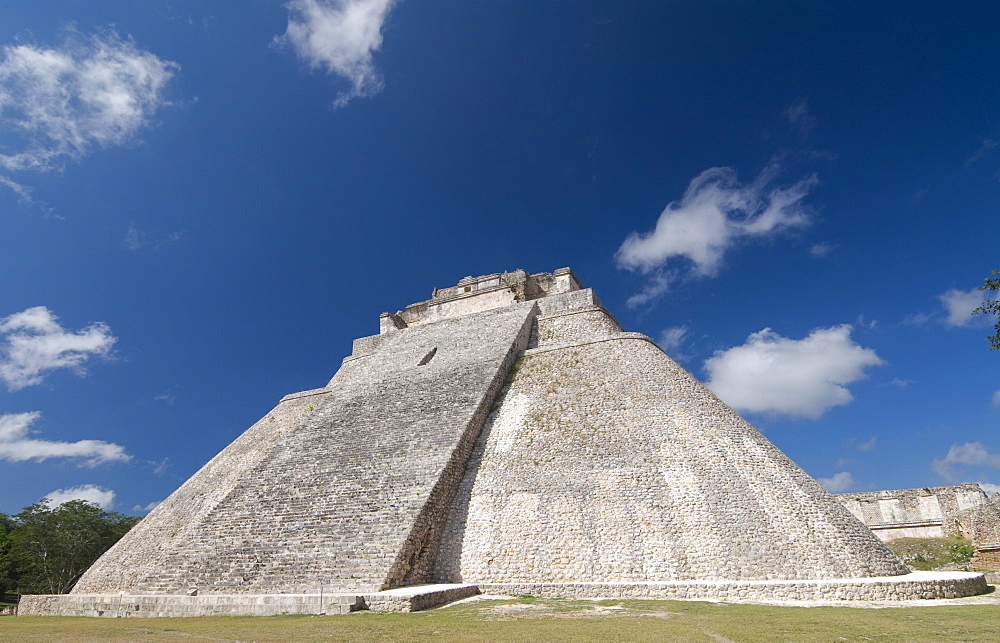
[(7, 580), (50, 548), (991, 307)]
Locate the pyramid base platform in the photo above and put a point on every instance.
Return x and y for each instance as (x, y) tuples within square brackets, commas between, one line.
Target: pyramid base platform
[(914, 586), (404, 599)]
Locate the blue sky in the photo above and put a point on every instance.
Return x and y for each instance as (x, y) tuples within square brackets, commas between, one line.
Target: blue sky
[(203, 203)]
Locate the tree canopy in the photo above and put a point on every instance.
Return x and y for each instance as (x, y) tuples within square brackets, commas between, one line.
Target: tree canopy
[(991, 307), (45, 550)]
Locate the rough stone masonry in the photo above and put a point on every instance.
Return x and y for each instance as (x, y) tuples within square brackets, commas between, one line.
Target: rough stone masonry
[(506, 434)]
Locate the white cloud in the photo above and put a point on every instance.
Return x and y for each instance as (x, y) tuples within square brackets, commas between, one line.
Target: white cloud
[(33, 343), (916, 319), (861, 322), (839, 482), (820, 250), (657, 283), (89, 93), (996, 400), (990, 489), (971, 454), (715, 213), (959, 304), (168, 396), (16, 446), (799, 119), (147, 508), (136, 239), (869, 444), (104, 498), (984, 149), (671, 338), (794, 377), (23, 192), (339, 36)]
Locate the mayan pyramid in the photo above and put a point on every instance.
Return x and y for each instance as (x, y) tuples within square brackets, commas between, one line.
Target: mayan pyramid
[(506, 434)]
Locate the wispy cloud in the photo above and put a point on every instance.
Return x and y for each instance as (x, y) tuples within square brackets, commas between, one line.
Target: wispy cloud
[(956, 310), (959, 304), (657, 284), (136, 239), (794, 377), (693, 234), (671, 338), (33, 343), (820, 250), (103, 498), (339, 37), (16, 446), (839, 482), (23, 192), (985, 148), (90, 92), (970, 454), (916, 319), (995, 400), (799, 118), (147, 508), (869, 444), (167, 397)]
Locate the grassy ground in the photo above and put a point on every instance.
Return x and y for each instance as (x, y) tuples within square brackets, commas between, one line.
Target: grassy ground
[(528, 619), (931, 553)]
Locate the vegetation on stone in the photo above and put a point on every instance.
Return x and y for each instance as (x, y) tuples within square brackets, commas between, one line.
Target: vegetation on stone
[(44, 550), (933, 553)]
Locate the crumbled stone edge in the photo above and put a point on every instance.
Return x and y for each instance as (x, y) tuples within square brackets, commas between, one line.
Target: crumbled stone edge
[(926, 585)]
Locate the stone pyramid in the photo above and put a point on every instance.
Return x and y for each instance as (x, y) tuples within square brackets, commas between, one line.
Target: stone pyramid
[(506, 433)]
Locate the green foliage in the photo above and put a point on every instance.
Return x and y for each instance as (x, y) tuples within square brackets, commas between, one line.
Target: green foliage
[(991, 307), (7, 525), (962, 550), (932, 553), (45, 550)]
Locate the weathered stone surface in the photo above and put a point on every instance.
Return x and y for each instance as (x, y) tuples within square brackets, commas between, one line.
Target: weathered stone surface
[(343, 487), (916, 585), (410, 599), (606, 461), (593, 464), (927, 512)]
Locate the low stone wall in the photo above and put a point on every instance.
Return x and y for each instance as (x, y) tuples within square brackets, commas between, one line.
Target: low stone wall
[(115, 606), (918, 585), (406, 599)]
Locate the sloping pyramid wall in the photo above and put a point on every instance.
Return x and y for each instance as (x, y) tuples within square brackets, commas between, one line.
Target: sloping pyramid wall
[(343, 487), (607, 462), (505, 433)]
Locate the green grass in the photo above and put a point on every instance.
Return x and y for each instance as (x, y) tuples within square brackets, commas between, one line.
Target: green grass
[(932, 553), (527, 619)]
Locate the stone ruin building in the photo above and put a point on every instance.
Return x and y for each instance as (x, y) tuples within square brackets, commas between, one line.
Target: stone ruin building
[(505, 436), (933, 512)]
